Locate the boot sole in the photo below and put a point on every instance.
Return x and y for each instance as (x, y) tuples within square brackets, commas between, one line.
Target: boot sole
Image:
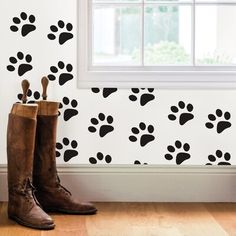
[(21, 222), (91, 212)]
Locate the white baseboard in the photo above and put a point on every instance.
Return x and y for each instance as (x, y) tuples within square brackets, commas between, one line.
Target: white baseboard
[(144, 183)]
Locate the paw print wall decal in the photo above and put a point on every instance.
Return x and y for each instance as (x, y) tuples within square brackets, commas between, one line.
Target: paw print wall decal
[(106, 92), (178, 152), (143, 95), (143, 133), (182, 112), (32, 96), (23, 23), (222, 159), (102, 124), (70, 151), (219, 120), (61, 72), (137, 162), (70, 108), (21, 63), (62, 31), (100, 157)]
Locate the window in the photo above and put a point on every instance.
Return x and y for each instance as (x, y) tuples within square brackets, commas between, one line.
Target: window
[(134, 42)]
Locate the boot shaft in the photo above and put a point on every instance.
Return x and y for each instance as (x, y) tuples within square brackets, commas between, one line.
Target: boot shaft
[(44, 171), (20, 148)]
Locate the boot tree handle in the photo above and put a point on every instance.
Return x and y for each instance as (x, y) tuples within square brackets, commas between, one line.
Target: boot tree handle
[(44, 83), (25, 87)]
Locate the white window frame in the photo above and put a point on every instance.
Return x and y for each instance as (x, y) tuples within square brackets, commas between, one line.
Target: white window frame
[(151, 76)]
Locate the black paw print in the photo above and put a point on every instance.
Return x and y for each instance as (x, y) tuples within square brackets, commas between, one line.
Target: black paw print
[(145, 97), (69, 112), (69, 153), (63, 36), (218, 156), (106, 92), (137, 162), (104, 129), (100, 157), (26, 27), (22, 68), (145, 132), (222, 124), (185, 112), (180, 156), (63, 77), (36, 96)]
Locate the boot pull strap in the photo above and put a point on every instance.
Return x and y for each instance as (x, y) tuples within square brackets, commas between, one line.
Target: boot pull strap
[(25, 87), (44, 83)]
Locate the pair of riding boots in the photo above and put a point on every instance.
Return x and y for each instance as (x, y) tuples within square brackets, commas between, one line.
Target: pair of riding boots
[(33, 184)]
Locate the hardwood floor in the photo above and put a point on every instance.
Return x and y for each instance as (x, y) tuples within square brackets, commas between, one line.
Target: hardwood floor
[(137, 219)]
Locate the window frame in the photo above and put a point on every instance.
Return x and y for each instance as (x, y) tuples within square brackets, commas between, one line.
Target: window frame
[(144, 76)]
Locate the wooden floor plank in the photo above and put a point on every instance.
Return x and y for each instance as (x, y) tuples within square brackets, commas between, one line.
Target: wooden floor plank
[(67, 225), (192, 219), (137, 219), (225, 215)]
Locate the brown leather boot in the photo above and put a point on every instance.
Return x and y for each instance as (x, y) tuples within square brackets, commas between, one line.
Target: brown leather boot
[(22, 205), (52, 196)]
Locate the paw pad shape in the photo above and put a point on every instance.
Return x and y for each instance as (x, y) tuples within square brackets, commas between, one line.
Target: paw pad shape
[(144, 95), (21, 67), (64, 34), (220, 120), (70, 108), (69, 153), (65, 76), (219, 156), (104, 128), (100, 157), (144, 132), (183, 112), (36, 96), (106, 92), (25, 23), (179, 152)]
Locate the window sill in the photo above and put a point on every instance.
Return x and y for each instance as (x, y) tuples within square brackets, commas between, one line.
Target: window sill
[(160, 79)]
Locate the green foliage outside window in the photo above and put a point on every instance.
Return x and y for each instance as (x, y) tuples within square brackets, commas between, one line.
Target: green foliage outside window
[(163, 53)]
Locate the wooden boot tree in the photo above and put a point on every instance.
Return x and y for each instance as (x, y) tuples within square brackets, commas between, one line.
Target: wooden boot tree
[(23, 109), (47, 108)]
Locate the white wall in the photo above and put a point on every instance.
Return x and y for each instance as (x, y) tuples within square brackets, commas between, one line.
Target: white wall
[(126, 113)]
